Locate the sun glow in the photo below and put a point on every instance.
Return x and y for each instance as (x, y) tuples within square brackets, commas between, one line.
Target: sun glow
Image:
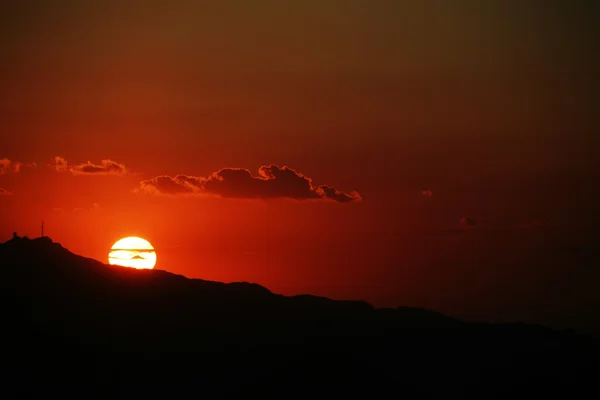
[(133, 252)]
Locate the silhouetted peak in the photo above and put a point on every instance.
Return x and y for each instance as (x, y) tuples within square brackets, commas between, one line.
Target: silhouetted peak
[(24, 242), (21, 250), (25, 239), (324, 300), (251, 287)]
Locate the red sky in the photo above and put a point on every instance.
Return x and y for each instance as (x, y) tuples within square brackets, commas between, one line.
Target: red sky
[(430, 110)]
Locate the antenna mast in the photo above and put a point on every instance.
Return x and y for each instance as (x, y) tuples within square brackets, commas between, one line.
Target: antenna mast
[(268, 237)]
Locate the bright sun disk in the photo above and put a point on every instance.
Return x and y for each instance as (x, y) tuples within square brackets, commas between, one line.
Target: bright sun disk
[(133, 252)]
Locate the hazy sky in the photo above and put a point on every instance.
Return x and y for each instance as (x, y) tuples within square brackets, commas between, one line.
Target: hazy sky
[(492, 105)]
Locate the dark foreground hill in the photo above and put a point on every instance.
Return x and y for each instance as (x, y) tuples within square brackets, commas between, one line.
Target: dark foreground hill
[(75, 326)]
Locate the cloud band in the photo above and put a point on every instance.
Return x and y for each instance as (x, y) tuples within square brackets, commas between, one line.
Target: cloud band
[(106, 167), (271, 182)]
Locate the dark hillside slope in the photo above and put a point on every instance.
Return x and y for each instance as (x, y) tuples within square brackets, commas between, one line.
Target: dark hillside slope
[(75, 325)]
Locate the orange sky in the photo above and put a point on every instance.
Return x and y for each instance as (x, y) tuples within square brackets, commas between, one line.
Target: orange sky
[(489, 106)]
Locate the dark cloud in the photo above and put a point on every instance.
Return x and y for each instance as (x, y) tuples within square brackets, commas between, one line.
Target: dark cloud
[(272, 181), (167, 185), (106, 167), (467, 222), (4, 192), (328, 192)]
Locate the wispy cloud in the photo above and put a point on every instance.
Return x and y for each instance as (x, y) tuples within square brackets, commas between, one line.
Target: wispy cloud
[(7, 166), (106, 167), (4, 165), (94, 208)]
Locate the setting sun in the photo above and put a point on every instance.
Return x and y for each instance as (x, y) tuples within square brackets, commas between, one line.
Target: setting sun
[(133, 252)]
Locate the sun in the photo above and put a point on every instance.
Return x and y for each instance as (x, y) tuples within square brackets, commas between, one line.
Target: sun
[(133, 252)]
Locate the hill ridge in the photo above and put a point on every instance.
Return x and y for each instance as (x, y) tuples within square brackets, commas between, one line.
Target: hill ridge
[(143, 332)]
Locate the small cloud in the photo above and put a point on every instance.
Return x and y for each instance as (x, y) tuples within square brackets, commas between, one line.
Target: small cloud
[(4, 165), (271, 182), (106, 167), (17, 166), (7, 166), (95, 207), (467, 222), (427, 192), (4, 192), (331, 193), (60, 164)]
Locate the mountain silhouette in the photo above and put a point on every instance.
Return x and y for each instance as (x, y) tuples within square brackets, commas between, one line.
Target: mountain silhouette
[(76, 327)]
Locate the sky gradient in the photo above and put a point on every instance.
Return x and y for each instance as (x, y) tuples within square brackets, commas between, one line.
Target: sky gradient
[(438, 154)]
